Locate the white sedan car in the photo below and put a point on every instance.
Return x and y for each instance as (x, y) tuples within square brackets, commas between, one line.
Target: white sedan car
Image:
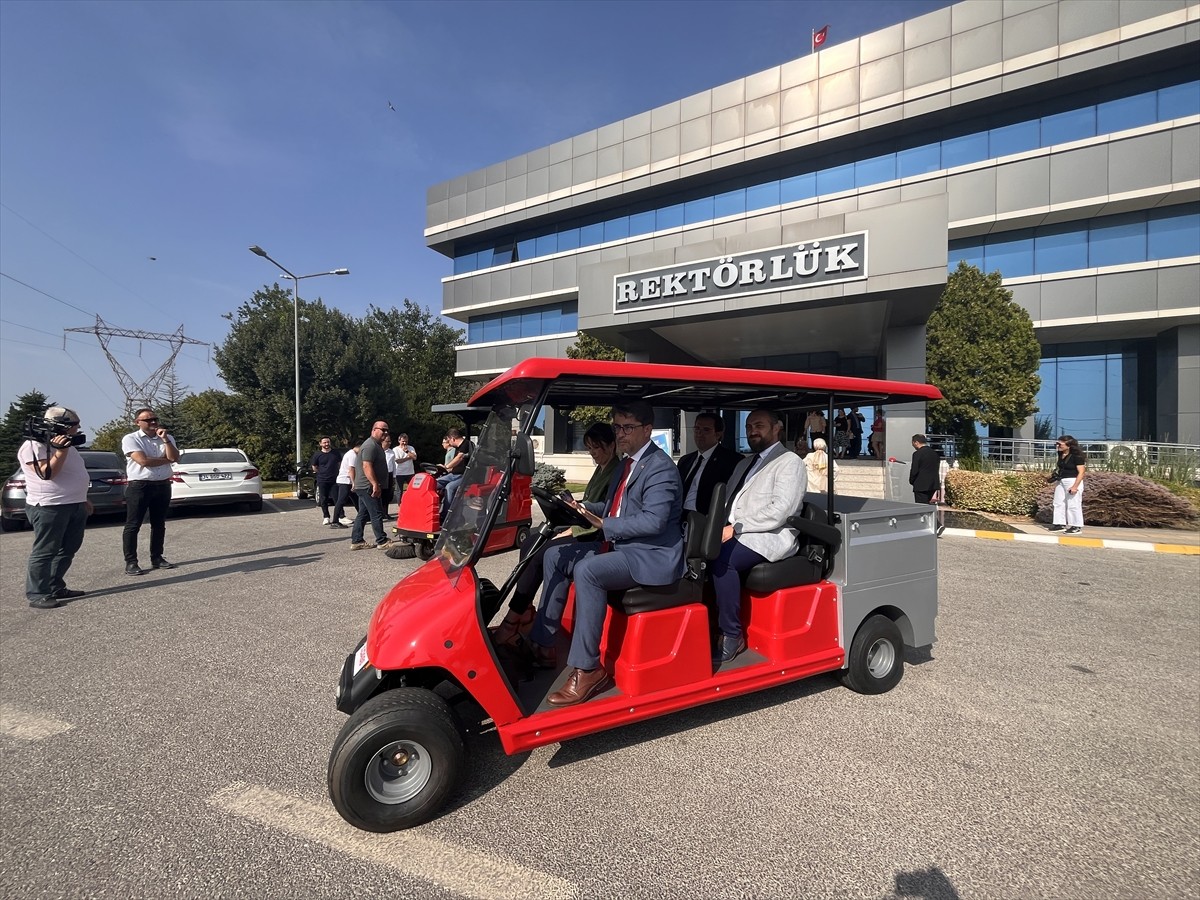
[(214, 477)]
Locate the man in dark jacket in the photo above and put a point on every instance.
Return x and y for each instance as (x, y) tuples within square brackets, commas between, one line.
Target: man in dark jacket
[(708, 465), (924, 470)]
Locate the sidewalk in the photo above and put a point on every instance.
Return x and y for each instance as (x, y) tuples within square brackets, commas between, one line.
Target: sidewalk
[(1153, 540)]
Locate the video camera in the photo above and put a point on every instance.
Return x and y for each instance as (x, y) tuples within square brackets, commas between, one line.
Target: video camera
[(43, 429)]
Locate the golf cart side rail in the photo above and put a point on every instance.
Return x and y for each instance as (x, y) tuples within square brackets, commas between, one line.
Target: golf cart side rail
[(589, 382)]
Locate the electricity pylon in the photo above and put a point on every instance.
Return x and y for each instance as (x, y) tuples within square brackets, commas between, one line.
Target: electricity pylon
[(144, 393)]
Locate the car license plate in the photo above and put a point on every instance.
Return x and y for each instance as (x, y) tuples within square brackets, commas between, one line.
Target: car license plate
[(360, 659), (219, 476)]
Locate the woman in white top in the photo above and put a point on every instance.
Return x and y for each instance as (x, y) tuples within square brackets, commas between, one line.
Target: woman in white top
[(818, 462), (345, 479)]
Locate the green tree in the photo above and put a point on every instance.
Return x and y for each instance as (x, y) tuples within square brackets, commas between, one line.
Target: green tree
[(108, 436), (588, 347), (32, 403), (169, 409), (982, 353)]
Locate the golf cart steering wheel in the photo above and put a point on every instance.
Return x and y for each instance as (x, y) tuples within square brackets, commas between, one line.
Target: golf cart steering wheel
[(556, 510)]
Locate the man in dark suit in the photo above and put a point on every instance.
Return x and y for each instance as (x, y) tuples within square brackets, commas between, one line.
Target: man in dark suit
[(643, 545), (924, 470), (710, 464)]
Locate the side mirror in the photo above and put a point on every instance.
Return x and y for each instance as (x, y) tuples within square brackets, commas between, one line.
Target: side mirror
[(522, 452)]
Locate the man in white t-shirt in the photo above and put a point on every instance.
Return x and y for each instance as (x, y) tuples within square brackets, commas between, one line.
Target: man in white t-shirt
[(56, 505), (149, 452), (406, 458)]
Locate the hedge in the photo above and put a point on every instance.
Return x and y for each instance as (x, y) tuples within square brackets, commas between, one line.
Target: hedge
[(1008, 493)]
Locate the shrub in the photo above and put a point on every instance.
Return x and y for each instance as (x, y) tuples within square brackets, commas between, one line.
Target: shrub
[(549, 478), (1008, 493), (1114, 498)]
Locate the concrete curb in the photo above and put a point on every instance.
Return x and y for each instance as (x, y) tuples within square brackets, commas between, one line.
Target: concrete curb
[(1107, 544)]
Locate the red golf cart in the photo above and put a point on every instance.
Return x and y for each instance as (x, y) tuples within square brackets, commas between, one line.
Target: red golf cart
[(862, 587)]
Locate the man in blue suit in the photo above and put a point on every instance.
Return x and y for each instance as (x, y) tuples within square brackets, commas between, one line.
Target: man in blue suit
[(643, 544)]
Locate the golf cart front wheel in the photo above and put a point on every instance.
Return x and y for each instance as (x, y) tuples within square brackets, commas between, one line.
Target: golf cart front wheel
[(396, 761)]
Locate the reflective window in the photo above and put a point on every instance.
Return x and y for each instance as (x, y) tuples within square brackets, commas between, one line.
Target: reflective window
[(1114, 240), (503, 254), (969, 251), (551, 320), (1173, 232), (1011, 253), (616, 229), (1072, 125), (670, 216), (919, 160), (1060, 248), (526, 248), (839, 178), (876, 170), (1179, 101), (1126, 112), (697, 211), (1016, 138), (730, 203), (547, 244), (510, 326), (642, 223), (491, 328), (590, 235), (1092, 393), (531, 323), (762, 196), (960, 151), (557, 318), (798, 187), (568, 239)]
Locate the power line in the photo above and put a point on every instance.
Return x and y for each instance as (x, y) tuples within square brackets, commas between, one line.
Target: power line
[(45, 294)]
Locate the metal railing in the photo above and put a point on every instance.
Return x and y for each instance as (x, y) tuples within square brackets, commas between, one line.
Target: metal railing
[(1137, 457)]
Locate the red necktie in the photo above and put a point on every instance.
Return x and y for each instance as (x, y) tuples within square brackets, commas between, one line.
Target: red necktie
[(620, 491)]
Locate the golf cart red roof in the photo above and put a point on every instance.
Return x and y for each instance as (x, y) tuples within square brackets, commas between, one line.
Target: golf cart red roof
[(594, 382)]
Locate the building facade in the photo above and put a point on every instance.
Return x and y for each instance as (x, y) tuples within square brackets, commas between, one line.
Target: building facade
[(806, 217)]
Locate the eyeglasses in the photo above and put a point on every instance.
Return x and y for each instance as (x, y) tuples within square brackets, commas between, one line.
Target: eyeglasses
[(149, 421), (627, 429), (384, 430)]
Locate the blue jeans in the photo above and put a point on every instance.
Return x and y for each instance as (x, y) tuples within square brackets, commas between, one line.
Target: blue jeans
[(726, 571), (448, 485), (57, 537), (368, 507)]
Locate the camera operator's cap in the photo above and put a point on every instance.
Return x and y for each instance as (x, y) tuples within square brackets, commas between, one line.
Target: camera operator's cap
[(60, 415)]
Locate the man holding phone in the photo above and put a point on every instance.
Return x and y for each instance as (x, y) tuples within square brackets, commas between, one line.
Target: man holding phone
[(149, 452)]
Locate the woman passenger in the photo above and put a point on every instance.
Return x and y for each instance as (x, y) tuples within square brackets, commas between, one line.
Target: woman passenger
[(600, 442)]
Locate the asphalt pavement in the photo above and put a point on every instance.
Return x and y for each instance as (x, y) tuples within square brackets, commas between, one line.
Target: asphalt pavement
[(168, 735)]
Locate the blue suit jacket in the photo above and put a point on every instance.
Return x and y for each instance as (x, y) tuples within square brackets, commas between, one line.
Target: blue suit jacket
[(648, 533)]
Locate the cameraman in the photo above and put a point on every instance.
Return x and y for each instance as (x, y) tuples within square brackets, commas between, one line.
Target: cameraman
[(149, 452), (56, 504)]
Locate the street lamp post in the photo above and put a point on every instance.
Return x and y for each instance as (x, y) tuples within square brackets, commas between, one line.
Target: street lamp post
[(259, 251)]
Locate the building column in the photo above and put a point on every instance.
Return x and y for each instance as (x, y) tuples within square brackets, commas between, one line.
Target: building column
[(903, 360), (1179, 385)]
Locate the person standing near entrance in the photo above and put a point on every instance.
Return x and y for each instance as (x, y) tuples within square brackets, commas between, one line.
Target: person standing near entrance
[(1068, 491), (369, 480), (923, 473), (56, 505), (325, 464), (149, 452)]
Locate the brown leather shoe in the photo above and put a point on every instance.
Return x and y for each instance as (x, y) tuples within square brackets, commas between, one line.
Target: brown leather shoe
[(580, 686)]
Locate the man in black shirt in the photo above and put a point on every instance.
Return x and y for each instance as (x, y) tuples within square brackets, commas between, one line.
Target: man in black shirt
[(924, 471), (325, 464)]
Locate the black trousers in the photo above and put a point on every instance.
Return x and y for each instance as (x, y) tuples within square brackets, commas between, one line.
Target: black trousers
[(143, 497)]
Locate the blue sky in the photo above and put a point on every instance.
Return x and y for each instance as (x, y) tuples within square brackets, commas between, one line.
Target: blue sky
[(187, 131)]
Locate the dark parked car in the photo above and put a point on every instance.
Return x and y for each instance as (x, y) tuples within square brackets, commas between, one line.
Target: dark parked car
[(106, 491)]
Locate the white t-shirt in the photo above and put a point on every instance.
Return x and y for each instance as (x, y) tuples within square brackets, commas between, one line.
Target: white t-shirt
[(404, 465), (152, 445), (390, 455), (350, 459), (69, 484)]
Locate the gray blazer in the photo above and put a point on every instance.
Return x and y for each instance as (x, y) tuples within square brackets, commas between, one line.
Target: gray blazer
[(760, 510)]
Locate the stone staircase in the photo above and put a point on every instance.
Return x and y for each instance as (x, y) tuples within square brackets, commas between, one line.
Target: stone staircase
[(860, 478)]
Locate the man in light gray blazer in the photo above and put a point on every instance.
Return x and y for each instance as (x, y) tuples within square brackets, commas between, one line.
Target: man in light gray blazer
[(768, 487)]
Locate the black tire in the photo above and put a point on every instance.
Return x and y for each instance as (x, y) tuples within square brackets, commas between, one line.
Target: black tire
[(489, 600), (876, 661), (11, 524), (255, 505), (425, 549), (522, 536), (396, 760), (306, 488)]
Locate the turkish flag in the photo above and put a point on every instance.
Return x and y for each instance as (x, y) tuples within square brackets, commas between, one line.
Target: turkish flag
[(818, 37)]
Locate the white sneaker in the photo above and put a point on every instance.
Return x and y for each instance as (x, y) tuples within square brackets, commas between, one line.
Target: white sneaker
[(325, 521), (345, 521)]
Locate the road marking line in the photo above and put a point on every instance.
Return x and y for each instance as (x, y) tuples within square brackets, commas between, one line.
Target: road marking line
[(1106, 543), (455, 868), (24, 726)]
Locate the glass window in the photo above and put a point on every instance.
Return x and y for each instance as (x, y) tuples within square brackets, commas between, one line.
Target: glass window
[(1060, 248), (835, 179), (1126, 112), (1174, 232), (590, 235), (762, 196), (464, 262), (730, 203), (1114, 240), (1178, 101), (642, 223), (503, 253), (526, 248), (546, 244), (551, 320), (670, 216), (474, 331), (510, 326), (568, 239), (876, 170), (1072, 125), (1015, 138), (1010, 253), (491, 328), (696, 211), (960, 151), (969, 250), (616, 229), (919, 160), (531, 322), (798, 187), (570, 317)]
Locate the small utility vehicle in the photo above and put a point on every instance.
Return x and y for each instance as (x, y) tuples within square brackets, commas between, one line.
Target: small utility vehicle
[(862, 587)]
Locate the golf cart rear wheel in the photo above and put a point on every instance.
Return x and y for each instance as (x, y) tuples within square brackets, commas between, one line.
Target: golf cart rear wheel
[(396, 761), (876, 661)]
